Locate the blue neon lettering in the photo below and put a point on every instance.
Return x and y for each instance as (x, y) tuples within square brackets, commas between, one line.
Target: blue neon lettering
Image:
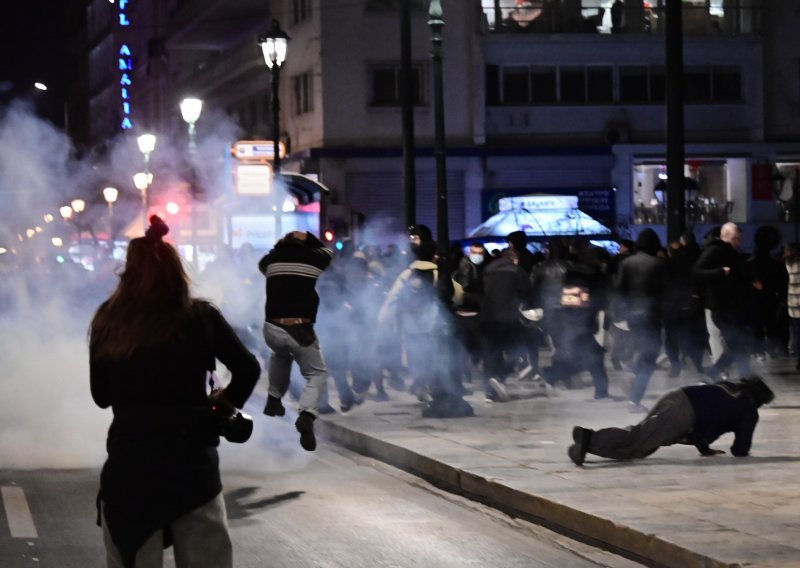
[(125, 64)]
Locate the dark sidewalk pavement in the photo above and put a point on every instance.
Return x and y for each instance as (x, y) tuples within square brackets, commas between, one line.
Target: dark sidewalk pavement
[(674, 508)]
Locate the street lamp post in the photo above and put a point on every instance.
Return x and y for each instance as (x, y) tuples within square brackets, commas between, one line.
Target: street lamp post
[(274, 45), (110, 194), (78, 205), (190, 111), (445, 398), (436, 24), (676, 196), (147, 143)]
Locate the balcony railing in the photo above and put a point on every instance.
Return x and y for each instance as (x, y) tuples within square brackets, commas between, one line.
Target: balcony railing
[(612, 17)]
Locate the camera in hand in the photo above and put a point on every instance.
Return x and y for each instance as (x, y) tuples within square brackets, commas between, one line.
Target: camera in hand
[(235, 428)]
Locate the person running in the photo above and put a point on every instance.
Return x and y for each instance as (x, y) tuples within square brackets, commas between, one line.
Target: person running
[(292, 268)]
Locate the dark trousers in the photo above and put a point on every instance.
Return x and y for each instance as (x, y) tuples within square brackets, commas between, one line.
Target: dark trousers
[(468, 333), (738, 344), (576, 354), (498, 339), (646, 340), (684, 334), (667, 423)]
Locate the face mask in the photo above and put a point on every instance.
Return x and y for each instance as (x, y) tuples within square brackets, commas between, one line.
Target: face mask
[(476, 258)]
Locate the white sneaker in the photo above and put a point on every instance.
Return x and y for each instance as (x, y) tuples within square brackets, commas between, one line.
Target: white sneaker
[(500, 389), (550, 390), (524, 373)]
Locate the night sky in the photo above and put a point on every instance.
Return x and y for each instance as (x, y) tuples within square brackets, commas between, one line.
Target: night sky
[(33, 36)]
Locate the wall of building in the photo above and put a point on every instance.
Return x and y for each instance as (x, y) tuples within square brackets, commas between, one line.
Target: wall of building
[(355, 38), (550, 123), (782, 70)]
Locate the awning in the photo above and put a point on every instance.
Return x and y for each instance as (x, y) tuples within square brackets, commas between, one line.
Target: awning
[(305, 189)]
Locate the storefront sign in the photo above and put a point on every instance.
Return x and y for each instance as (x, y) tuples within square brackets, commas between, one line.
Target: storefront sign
[(125, 68), (600, 203)]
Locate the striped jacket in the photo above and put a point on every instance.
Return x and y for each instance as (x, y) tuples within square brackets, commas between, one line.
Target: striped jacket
[(292, 268)]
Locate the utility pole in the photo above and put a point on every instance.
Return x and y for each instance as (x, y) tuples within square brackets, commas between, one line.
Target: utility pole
[(436, 24), (676, 198), (407, 104)]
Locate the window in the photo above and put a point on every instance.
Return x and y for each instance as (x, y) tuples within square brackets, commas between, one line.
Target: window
[(633, 84), (573, 85), (516, 85), (658, 84), (387, 82), (599, 84), (697, 84), (301, 10), (303, 93), (543, 84), (727, 83), (594, 84)]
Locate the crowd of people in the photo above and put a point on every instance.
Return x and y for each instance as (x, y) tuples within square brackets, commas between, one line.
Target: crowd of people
[(389, 320), (421, 322)]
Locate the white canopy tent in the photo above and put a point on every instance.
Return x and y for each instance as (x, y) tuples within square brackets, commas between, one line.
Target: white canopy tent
[(540, 216)]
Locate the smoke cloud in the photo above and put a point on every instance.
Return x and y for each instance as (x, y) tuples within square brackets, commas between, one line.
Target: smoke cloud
[(47, 299)]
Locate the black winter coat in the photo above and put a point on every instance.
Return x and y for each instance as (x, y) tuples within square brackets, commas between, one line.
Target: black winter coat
[(726, 294), (162, 456), (506, 287), (641, 285)]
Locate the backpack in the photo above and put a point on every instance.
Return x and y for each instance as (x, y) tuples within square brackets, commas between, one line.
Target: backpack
[(417, 302)]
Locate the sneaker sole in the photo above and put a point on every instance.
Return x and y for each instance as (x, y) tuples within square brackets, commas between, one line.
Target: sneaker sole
[(307, 438), (500, 389)]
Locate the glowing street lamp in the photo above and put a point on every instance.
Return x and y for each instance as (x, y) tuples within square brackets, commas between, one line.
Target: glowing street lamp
[(147, 143), (141, 180), (66, 212), (78, 205), (274, 45), (190, 111), (110, 194)]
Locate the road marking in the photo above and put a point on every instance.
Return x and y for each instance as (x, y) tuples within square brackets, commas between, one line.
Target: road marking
[(20, 521)]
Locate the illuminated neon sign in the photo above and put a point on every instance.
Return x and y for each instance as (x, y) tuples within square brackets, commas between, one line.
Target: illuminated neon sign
[(125, 68)]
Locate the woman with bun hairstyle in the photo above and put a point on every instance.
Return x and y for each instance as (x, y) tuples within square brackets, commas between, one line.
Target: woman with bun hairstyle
[(150, 348)]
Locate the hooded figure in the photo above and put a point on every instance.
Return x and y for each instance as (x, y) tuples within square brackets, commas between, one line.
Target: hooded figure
[(640, 285)]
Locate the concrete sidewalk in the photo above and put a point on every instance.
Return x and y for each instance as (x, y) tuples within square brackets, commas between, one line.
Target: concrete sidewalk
[(674, 508)]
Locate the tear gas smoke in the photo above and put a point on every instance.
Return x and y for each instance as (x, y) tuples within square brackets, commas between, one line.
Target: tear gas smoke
[(47, 416)]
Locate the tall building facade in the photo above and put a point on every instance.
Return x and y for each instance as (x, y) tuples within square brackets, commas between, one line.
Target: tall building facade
[(547, 96)]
